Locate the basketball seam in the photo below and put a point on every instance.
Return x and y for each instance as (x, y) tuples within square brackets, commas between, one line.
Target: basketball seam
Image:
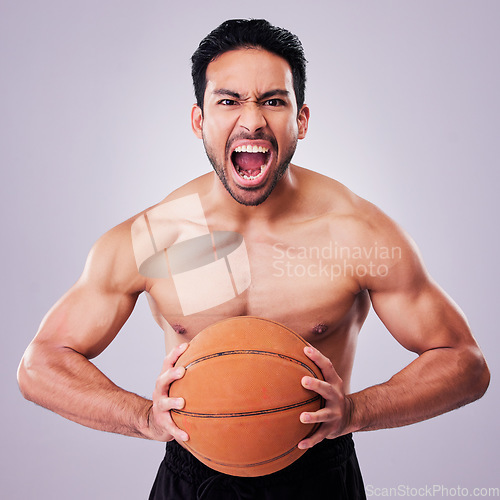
[(258, 462), (250, 351), (241, 466), (246, 413)]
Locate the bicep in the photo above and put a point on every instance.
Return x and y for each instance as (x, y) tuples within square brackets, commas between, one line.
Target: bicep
[(86, 319), (89, 316), (421, 316), (413, 307)]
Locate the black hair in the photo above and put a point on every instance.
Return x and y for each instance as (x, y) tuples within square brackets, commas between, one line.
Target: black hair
[(247, 33)]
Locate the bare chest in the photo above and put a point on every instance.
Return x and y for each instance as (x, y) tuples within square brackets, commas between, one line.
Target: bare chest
[(292, 280)]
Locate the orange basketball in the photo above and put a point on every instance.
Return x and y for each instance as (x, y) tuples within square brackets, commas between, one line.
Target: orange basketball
[(243, 394)]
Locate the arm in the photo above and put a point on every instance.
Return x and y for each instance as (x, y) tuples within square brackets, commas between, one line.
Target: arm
[(56, 371), (449, 372)]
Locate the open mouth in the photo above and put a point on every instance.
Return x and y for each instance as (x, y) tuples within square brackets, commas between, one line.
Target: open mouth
[(250, 161)]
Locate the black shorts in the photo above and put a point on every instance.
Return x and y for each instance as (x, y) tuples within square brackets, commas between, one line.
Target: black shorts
[(329, 470)]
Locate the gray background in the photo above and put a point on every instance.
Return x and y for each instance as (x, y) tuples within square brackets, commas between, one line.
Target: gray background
[(95, 101)]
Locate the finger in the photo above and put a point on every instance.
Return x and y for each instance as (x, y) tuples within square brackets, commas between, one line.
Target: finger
[(164, 417), (173, 356), (312, 440), (164, 381), (325, 389), (177, 433), (323, 363), (322, 387), (316, 417), (165, 404)]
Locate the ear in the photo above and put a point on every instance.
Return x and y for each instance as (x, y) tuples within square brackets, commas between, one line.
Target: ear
[(303, 121), (197, 121)]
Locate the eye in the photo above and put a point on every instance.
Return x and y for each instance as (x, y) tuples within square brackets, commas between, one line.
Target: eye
[(227, 102), (274, 103)]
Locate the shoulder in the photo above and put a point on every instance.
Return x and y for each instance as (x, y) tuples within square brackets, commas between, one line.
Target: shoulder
[(322, 195), (119, 257), (363, 232), (111, 264)]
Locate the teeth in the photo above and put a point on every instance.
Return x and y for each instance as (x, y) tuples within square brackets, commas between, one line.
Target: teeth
[(251, 149), (251, 177)]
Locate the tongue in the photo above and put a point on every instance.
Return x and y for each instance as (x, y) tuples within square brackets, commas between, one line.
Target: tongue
[(250, 162)]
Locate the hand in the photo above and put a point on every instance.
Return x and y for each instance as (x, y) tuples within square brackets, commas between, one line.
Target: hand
[(333, 417), (160, 421)]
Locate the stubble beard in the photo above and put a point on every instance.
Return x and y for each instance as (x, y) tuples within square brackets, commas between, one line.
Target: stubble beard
[(240, 197)]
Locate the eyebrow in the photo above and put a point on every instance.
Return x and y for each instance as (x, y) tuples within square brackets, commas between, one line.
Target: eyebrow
[(265, 95)]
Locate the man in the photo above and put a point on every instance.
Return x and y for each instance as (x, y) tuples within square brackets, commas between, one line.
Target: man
[(258, 236)]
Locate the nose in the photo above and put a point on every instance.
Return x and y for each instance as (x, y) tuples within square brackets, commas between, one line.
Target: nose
[(251, 117)]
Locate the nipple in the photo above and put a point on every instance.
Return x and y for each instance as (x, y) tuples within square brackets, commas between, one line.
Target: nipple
[(320, 328), (179, 329)]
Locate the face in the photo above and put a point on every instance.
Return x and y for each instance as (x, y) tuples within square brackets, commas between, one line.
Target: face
[(249, 124)]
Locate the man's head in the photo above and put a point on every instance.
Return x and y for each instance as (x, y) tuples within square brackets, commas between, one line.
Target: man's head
[(248, 112), (242, 33)]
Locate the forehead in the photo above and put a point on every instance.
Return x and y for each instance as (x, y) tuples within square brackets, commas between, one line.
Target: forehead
[(249, 70)]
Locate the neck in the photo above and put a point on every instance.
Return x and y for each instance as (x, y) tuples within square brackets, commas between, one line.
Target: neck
[(277, 204)]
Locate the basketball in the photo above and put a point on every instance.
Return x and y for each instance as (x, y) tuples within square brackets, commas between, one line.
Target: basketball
[(243, 396)]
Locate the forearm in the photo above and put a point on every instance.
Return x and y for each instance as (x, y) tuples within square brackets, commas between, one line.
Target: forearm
[(438, 381), (67, 383)]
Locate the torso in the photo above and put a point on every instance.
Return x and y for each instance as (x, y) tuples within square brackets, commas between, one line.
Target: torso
[(292, 271)]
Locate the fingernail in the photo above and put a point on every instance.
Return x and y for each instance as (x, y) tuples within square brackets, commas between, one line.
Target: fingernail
[(309, 350), (305, 418)]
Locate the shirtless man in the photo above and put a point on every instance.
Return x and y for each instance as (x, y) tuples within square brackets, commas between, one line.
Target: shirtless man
[(262, 237)]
